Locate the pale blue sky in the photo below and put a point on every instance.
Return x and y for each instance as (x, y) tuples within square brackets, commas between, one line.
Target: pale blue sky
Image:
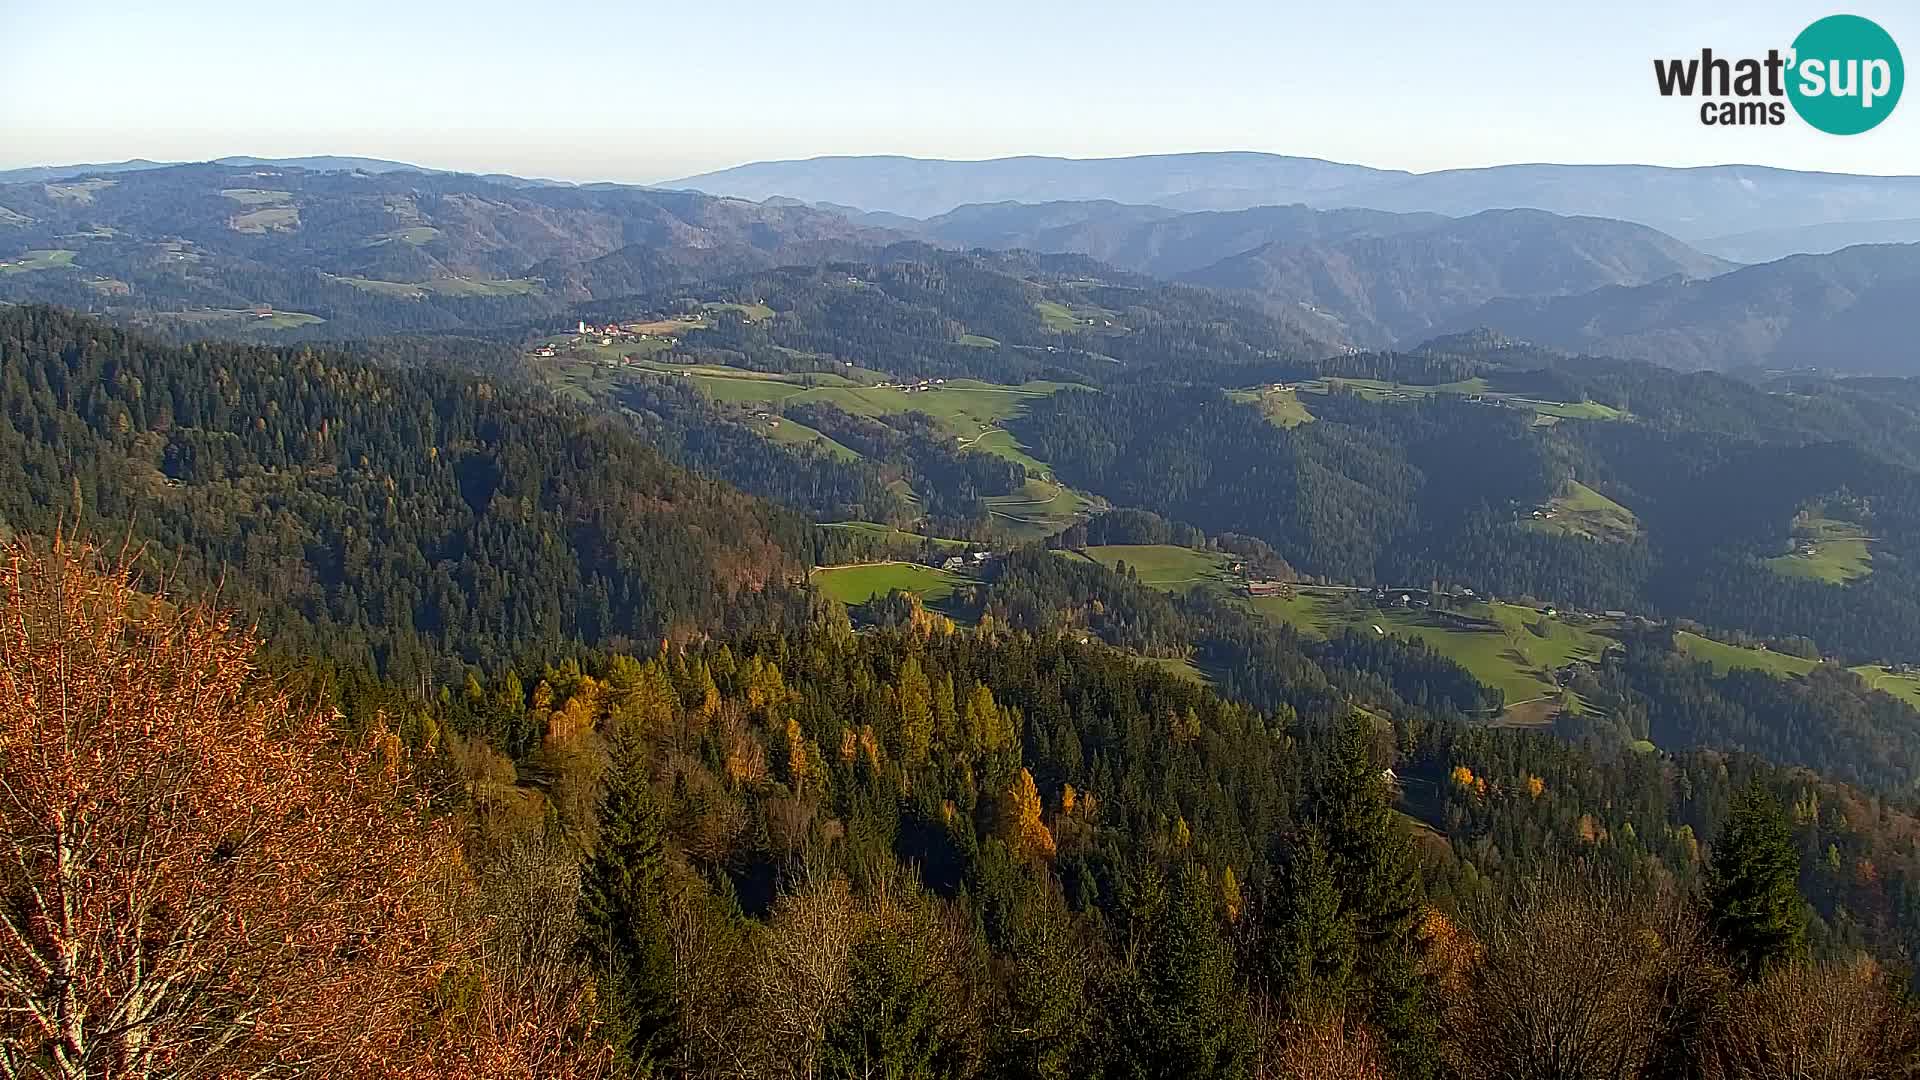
[(645, 91)]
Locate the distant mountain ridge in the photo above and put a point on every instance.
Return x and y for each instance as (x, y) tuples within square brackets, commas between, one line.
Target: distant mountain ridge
[(1367, 276), (1694, 204), (1850, 311), (318, 163), (359, 252), (1154, 239)]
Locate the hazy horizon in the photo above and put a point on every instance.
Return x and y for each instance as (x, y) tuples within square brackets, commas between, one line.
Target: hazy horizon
[(484, 170), (638, 94)]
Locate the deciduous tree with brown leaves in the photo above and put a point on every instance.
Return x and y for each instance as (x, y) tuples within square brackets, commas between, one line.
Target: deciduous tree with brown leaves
[(199, 877)]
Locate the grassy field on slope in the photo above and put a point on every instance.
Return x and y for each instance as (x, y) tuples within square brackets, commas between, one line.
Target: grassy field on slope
[(858, 584)]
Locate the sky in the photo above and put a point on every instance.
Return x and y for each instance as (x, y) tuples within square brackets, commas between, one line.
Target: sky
[(642, 92)]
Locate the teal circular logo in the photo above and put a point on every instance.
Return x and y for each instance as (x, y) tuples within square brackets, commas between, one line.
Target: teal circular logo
[(1846, 76)]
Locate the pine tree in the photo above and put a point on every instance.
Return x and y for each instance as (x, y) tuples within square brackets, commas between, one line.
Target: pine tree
[(622, 907), (1753, 893)]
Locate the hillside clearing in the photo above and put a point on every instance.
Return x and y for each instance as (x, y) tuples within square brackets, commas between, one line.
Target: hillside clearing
[(1516, 650), (1280, 406), (858, 584), (48, 259), (794, 433), (889, 533), (1724, 657), (451, 286), (78, 191), (1827, 550), (1581, 511), (1165, 566), (1476, 390), (257, 197), (1904, 685)]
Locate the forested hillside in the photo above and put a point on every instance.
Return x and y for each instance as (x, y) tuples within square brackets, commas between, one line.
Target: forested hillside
[(1403, 490), (916, 311), (810, 852), (394, 520), (1368, 276), (1153, 776), (1841, 312)]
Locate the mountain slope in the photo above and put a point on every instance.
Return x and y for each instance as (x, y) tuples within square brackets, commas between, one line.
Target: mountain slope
[(369, 253), (406, 520), (1381, 288), (1155, 240), (1767, 245), (1850, 311), (921, 187), (1369, 276)]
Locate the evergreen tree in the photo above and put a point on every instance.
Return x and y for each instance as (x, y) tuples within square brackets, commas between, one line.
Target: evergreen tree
[(1186, 1016), (622, 907), (890, 1023), (1043, 1034), (1372, 860), (1370, 853), (1753, 894), (1307, 939)]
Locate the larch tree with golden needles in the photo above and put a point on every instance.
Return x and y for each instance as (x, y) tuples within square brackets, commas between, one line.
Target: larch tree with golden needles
[(196, 879)]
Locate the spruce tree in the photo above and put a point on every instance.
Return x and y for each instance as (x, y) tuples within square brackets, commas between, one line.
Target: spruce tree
[(623, 912), (1369, 850), (1307, 939), (1187, 1017), (1043, 1032), (1373, 865), (890, 1023), (1753, 893)]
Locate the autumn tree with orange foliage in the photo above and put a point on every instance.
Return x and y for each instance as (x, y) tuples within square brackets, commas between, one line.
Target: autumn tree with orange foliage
[(199, 879), (1025, 832)]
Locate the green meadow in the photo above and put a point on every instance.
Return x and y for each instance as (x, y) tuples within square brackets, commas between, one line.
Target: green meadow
[(858, 584), (47, 259), (1581, 511), (1834, 552), (1282, 407), (1725, 657)]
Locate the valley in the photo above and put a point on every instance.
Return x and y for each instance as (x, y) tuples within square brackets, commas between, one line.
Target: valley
[(1019, 470), (667, 585)]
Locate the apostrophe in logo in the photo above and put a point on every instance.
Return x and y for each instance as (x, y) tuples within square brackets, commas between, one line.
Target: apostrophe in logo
[(1843, 76), (1846, 75)]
